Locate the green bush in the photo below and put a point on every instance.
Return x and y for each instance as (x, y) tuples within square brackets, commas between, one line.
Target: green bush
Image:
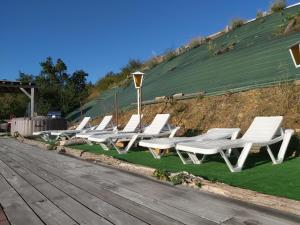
[(198, 184), (178, 179), (236, 23), (278, 5), (162, 174)]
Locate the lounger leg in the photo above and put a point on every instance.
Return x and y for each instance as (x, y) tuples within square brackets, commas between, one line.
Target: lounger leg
[(89, 142), (195, 159), (104, 146), (286, 140), (45, 137), (155, 154), (130, 144), (184, 161), (242, 158)]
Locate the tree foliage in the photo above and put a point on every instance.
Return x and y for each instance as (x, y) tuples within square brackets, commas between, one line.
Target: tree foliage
[(56, 90), (112, 79)]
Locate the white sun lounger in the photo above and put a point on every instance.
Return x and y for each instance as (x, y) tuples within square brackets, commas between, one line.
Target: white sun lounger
[(46, 133), (264, 131), (104, 124), (158, 128), (158, 146)]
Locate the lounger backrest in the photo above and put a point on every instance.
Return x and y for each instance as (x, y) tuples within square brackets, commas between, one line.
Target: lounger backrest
[(132, 124), (83, 123), (263, 128), (158, 123), (220, 133), (104, 123)]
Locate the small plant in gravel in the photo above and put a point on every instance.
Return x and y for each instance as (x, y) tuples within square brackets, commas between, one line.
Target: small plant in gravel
[(178, 178), (51, 146), (162, 174), (198, 184)]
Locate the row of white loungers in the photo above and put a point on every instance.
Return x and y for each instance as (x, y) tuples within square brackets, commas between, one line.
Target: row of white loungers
[(159, 127), (263, 132), (159, 136), (131, 126), (105, 124)]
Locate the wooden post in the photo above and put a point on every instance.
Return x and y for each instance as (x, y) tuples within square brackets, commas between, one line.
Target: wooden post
[(116, 109), (32, 103)]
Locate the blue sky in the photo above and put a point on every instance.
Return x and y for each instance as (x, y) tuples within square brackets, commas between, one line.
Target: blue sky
[(102, 35)]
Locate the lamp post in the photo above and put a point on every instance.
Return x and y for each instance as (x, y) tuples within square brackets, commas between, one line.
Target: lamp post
[(138, 82)]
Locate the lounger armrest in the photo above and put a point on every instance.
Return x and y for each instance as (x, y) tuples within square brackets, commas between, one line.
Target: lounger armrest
[(287, 132), (235, 133), (173, 132)]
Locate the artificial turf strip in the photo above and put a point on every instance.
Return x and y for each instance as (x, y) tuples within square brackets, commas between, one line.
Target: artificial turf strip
[(259, 175)]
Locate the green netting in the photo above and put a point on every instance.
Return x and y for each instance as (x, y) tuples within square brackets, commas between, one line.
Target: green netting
[(259, 58)]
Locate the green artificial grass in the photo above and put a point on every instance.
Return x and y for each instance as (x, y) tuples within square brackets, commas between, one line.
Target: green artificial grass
[(258, 175)]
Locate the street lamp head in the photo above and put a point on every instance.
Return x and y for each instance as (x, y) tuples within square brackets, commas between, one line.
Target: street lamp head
[(138, 79), (295, 54)]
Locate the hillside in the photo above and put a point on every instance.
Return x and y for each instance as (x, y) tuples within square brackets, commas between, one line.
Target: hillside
[(258, 56)]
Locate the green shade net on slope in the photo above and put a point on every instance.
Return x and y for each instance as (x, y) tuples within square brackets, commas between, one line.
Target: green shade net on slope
[(259, 58)]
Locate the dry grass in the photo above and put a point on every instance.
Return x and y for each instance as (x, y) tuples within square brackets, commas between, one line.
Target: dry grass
[(230, 110)]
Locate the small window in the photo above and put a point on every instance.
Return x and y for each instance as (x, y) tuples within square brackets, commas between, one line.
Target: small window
[(295, 53)]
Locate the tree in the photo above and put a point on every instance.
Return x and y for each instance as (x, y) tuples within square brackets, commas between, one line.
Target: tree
[(56, 90)]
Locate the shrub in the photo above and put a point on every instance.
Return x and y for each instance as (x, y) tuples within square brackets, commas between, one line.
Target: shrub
[(211, 47), (236, 23), (153, 62), (179, 107), (178, 179), (169, 54), (198, 184), (194, 43), (278, 5), (279, 31), (162, 174), (259, 14), (225, 49)]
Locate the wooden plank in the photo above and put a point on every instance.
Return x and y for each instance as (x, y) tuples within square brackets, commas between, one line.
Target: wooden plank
[(95, 204), (178, 214), (68, 205), (45, 209), (3, 218), (181, 210), (139, 211), (15, 208), (198, 205), (239, 211)]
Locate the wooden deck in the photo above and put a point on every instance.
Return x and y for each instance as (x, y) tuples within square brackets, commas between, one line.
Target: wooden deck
[(43, 187)]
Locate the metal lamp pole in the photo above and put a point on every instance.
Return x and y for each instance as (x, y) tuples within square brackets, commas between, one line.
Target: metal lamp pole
[(138, 81)]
